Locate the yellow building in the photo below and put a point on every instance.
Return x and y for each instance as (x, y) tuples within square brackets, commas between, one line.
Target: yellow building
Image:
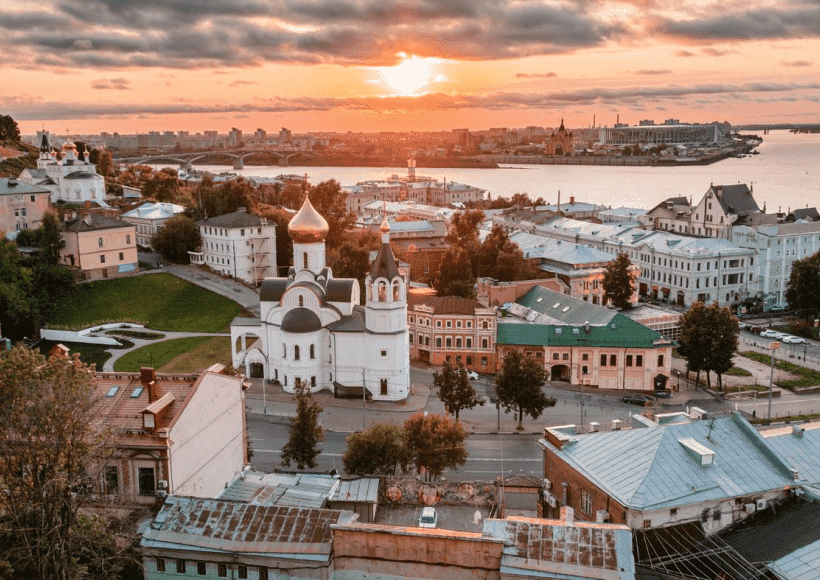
[(100, 247)]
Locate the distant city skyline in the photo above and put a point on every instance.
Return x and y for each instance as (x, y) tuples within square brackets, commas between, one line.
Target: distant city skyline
[(335, 65)]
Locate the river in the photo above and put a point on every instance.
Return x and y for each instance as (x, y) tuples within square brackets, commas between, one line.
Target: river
[(784, 175)]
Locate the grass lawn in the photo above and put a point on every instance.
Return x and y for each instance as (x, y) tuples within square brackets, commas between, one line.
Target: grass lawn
[(159, 301), (738, 372), (193, 353), (89, 353), (808, 377)]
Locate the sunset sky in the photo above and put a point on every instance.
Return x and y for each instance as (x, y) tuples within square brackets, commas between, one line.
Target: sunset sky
[(373, 65)]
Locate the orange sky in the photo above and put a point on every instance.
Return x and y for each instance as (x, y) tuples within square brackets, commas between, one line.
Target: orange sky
[(376, 65)]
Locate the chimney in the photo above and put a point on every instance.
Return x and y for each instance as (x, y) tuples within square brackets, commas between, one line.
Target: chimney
[(148, 378), (87, 219), (567, 515), (87, 204), (571, 199)]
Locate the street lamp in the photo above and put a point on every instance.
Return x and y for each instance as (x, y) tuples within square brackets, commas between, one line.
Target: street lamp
[(773, 346)]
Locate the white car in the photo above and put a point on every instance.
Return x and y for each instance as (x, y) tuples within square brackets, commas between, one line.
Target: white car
[(473, 375), (794, 340), (769, 333)]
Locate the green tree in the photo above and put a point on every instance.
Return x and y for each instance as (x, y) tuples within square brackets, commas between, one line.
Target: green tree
[(331, 202), (105, 163), (49, 440), (177, 237), (722, 330), (305, 431), (434, 443), (455, 275), (463, 230), (500, 258), (618, 283), (519, 387), (694, 342), (9, 131), (377, 451), (51, 240), (284, 245), (227, 197), (454, 389), (163, 186), (352, 258), (803, 289)]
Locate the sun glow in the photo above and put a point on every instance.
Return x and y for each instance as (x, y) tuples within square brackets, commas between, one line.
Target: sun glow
[(411, 77)]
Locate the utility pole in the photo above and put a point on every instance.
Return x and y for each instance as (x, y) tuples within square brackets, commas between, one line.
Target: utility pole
[(364, 408)]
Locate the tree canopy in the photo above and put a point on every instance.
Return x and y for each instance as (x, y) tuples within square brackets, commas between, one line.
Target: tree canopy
[(434, 443), (708, 339), (618, 283), (50, 445), (803, 289), (215, 200), (177, 237), (376, 451), (305, 431), (9, 131), (331, 202), (500, 258), (455, 390), (455, 274), (519, 387)]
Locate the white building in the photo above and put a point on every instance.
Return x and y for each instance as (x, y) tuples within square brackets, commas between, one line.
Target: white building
[(149, 219), (778, 246), (314, 330), (238, 244), (674, 268), (72, 179)]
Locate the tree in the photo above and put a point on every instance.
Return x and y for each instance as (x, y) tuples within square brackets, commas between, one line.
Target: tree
[(305, 431), (377, 451), (519, 385), (105, 163), (162, 186), (454, 389), (455, 275), (693, 342), (723, 330), (228, 197), (51, 240), (177, 237), (500, 258), (803, 289), (9, 131), (49, 441), (434, 443), (618, 283), (284, 245), (463, 230), (331, 202), (352, 258)]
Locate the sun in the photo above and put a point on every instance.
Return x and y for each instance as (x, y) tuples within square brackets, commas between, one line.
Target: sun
[(410, 77)]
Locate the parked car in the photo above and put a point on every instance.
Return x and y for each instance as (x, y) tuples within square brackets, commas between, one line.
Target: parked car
[(429, 518), (769, 333), (664, 394), (472, 375), (794, 340), (638, 399)]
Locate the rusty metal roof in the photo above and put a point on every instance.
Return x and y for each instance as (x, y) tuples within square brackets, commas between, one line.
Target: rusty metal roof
[(305, 490), (229, 526), (357, 490)]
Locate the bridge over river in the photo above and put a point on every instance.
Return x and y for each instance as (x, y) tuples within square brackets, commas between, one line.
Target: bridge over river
[(237, 157)]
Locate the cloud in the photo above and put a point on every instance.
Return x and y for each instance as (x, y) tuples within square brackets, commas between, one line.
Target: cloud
[(548, 75), (237, 83), (797, 63), (654, 72), (685, 53), (119, 84)]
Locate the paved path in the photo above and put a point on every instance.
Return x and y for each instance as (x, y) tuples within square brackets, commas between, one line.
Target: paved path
[(117, 353)]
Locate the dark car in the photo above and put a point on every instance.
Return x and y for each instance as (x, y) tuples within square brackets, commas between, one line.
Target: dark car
[(665, 394), (638, 399)]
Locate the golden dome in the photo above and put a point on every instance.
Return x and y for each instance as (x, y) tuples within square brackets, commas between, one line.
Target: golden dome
[(385, 227), (307, 226), (69, 146)]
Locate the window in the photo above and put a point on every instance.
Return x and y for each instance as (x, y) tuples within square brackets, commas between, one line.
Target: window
[(449, 324), (584, 370), (438, 342), (242, 571), (565, 356), (296, 352), (647, 523), (484, 343), (284, 351), (603, 360), (638, 360), (613, 360), (263, 574), (586, 502), (242, 232), (160, 564), (660, 360), (469, 342), (629, 360), (301, 301), (102, 258), (222, 570), (384, 352), (112, 479), (383, 385), (122, 256), (146, 480), (201, 568), (100, 242), (484, 361), (180, 566), (312, 351), (128, 238), (555, 356), (458, 342), (449, 342), (410, 338), (32, 199), (438, 323), (585, 356)]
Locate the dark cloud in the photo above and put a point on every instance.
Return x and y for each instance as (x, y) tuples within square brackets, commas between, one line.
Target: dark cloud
[(548, 75), (664, 71), (119, 84), (797, 63), (789, 20)]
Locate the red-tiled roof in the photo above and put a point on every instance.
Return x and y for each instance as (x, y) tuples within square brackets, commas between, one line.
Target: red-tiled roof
[(444, 304)]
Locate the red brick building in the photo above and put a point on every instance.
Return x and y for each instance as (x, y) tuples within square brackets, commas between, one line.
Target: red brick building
[(449, 328)]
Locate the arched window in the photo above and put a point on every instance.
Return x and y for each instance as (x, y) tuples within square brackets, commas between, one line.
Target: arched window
[(382, 292), (312, 351), (301, 301), (396, 292), (304, 260), (296, 352)]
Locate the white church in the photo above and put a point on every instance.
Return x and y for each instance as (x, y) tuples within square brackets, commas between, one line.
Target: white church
[(314, 331), (72, 179)]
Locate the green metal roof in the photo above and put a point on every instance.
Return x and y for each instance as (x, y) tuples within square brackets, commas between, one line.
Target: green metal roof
[(620, 332), (565, 308)]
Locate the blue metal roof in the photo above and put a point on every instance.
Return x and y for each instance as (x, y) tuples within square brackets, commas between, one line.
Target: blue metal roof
[(802, 564)]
